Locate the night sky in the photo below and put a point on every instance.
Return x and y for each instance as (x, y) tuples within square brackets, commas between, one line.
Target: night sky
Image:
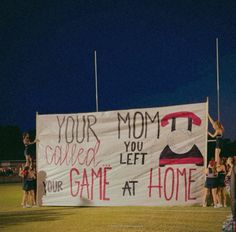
[(150, 53)]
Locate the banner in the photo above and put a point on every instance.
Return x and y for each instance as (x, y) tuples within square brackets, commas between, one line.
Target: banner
[(145, 157)]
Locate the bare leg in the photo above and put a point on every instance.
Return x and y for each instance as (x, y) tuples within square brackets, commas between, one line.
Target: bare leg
[(28, 160), (214, 194), (219, 195), (32, 197), (217, 155), (224, 196), (205, 197), (25, 198)]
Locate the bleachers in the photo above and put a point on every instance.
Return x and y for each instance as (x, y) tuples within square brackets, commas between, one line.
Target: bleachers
[(9, 171)]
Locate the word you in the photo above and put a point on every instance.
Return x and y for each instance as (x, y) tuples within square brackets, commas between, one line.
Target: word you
[(134, 155)]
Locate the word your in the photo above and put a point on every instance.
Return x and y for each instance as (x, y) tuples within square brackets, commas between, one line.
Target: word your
[(168, 183), (76, 129), (137, 125), (53, 186), (83, 186)]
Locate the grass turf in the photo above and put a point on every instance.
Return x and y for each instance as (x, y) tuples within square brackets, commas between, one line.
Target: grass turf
[(101, 219)]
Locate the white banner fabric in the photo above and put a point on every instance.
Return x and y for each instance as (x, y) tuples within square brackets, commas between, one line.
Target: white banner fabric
[(143, 157)]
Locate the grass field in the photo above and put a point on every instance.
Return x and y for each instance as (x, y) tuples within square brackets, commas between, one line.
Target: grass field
[(101, 219)]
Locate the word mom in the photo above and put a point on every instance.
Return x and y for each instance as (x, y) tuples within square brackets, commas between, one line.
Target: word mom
[(137, 124)]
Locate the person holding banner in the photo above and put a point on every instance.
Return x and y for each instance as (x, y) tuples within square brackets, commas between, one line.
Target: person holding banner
[(229, 168), (211, 184), (218, 134), (221, 191), (28, 151), (28, 187)]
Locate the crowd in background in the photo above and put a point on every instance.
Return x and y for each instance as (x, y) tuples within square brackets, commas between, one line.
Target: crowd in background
[(11, 170), (8, 171)]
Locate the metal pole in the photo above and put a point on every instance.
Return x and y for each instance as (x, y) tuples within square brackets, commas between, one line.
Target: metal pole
[(96, 79), (207, 111), (37, 158), (218, 79)]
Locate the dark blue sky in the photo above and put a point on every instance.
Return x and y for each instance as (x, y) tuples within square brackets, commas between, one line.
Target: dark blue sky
[(150, 54)]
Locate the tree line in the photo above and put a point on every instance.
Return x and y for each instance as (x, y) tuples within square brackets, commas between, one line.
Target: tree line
[(11, 143), (12, 147)]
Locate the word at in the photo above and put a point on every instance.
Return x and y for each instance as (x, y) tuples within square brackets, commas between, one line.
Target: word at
[(127, 187)]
